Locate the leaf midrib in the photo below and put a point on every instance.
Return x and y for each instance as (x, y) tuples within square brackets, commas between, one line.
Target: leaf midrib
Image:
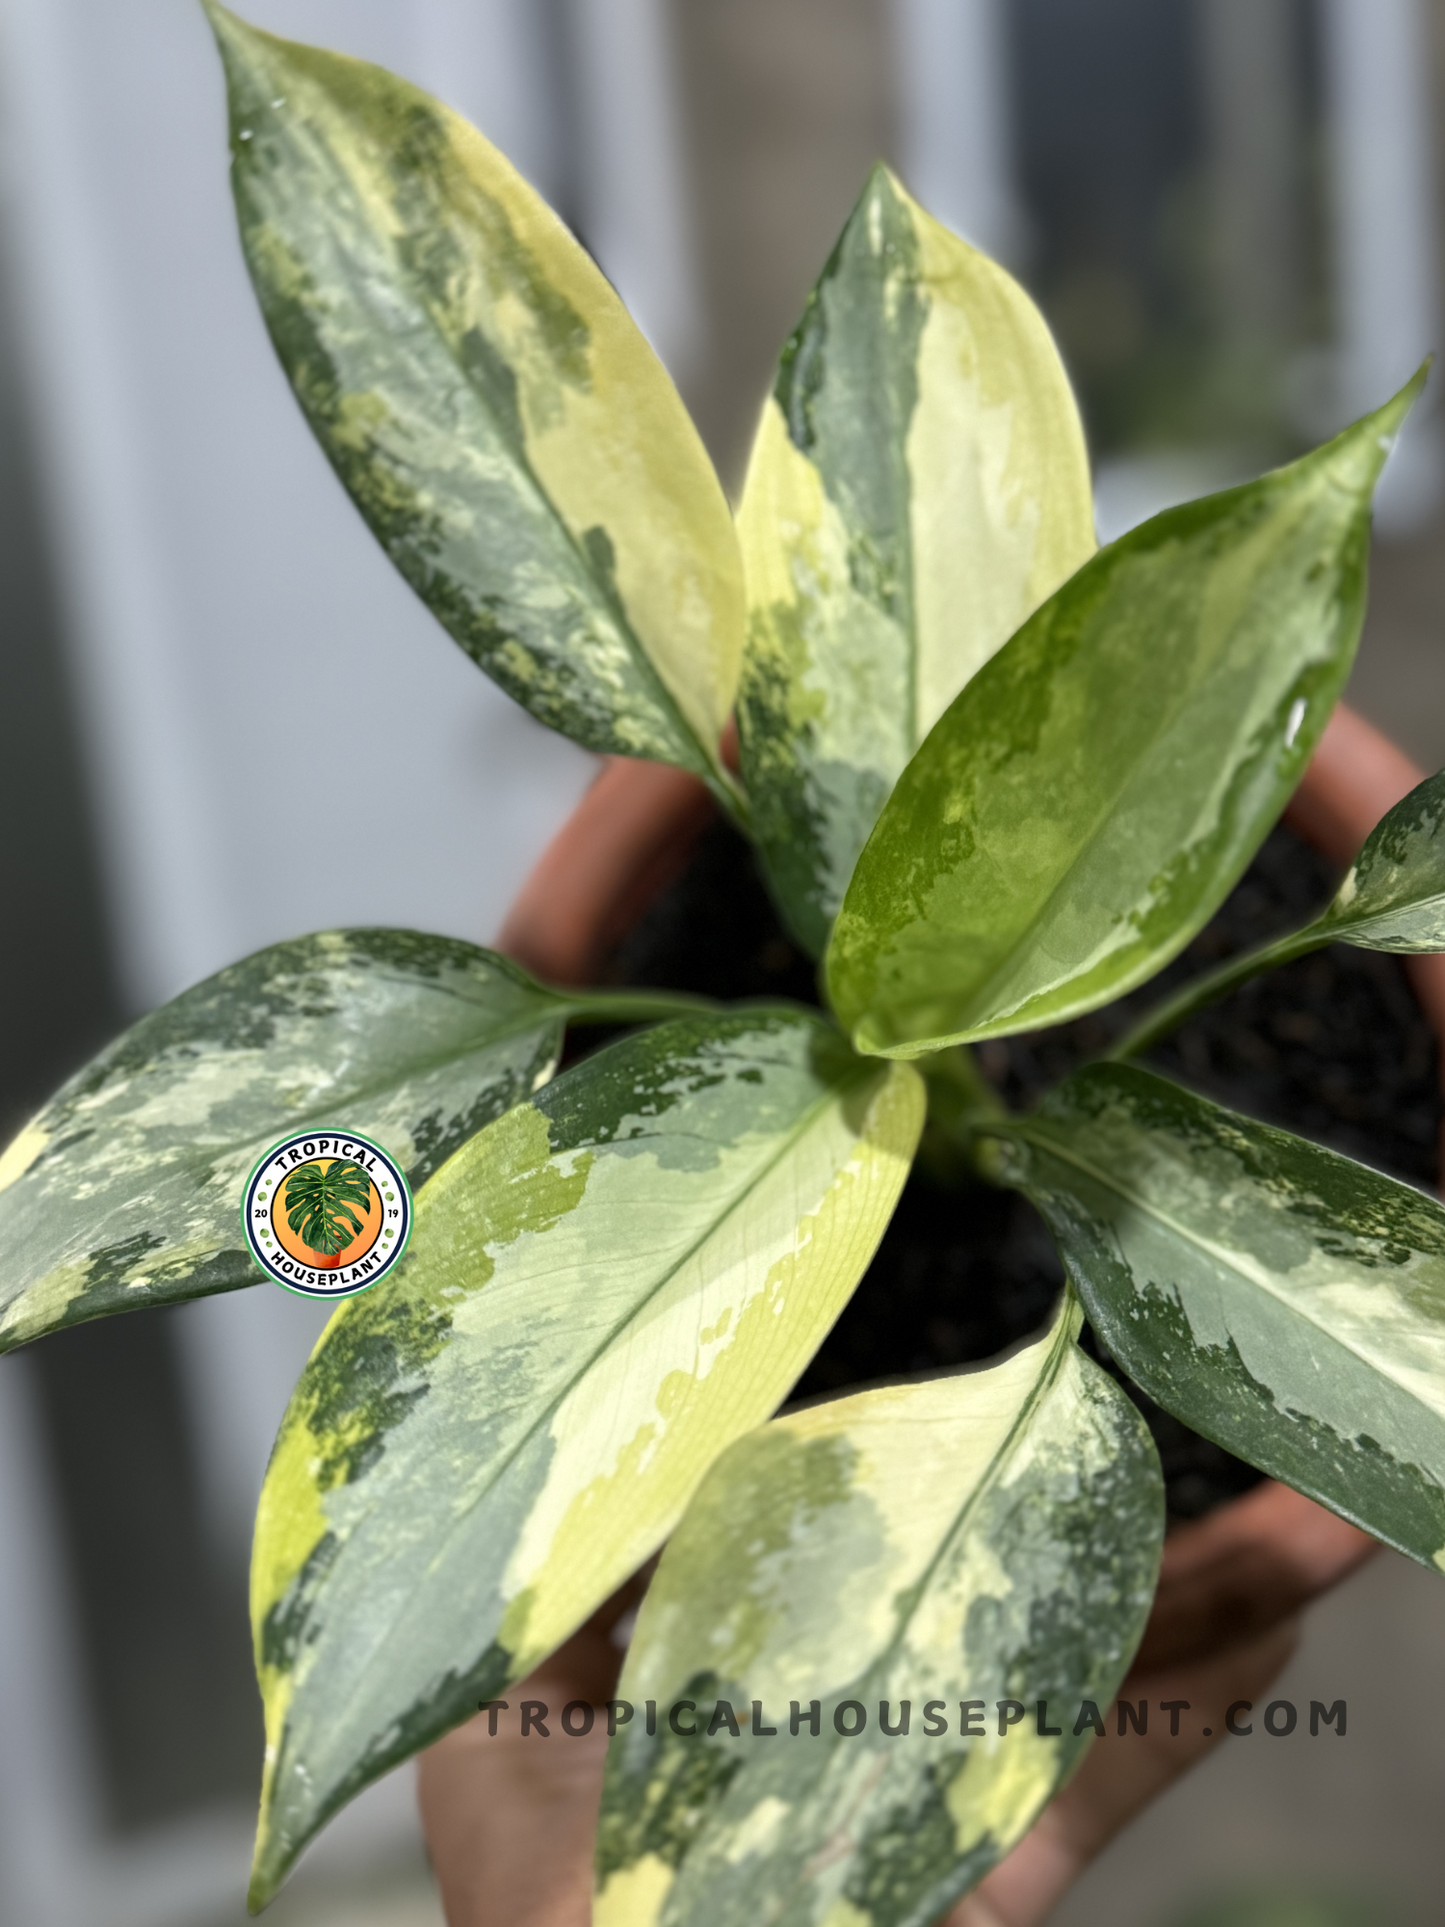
[(552, 1008), (1042, 1385), (1347, 929), (1106, 814), (358, 1094), (1038, 1390)]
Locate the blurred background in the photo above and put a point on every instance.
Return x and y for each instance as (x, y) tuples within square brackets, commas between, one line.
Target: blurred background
[(1231, 213)]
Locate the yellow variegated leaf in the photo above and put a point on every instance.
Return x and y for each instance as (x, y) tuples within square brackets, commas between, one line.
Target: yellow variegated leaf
[(1089, 800), (602, 1291), (918, 487), (480, 389), (932, 1555)]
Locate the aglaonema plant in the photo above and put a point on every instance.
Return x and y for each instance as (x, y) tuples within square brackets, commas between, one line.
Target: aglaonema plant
[(995, 779)]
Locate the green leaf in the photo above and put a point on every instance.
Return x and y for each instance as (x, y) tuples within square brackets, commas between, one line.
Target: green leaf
[(602, 1291), (318, 1204), (918, 486), (1282, 1300), (481, 391), (1394, 895), (126, 1190), (989, 1537), (1392, 899), (1089, 800)]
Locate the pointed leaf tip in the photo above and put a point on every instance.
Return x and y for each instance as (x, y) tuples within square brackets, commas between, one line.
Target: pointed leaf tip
[(919, 484), (1405, 399), (125, 1190), (1367, 444), (231, 32)]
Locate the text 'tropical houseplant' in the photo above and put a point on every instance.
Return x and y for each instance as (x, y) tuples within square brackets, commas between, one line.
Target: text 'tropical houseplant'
[(996, 778)]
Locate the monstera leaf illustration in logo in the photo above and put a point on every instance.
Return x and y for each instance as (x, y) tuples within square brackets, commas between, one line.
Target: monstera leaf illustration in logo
[(319, 1200)]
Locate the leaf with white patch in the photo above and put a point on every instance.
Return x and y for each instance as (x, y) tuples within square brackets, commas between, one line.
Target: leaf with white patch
[(1090, 799), (1279, 1298), (602, 1291), (919, 485), (989, 1537), (126, 1190), (504, 428), (1394, 895)]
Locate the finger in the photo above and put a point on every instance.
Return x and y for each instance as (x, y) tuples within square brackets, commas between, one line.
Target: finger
[(1121, 1775), (1226, 1579), (1224, 1621), (510, 1820), (1123, 1772)]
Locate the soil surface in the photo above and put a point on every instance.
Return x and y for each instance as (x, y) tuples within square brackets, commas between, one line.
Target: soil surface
[(1333, 1046)]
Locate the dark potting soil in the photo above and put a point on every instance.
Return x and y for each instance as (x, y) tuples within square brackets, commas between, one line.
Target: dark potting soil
[(1333, 1046)]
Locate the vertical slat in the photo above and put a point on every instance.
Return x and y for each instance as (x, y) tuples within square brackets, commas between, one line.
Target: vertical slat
[(634, 197), (1384, 218), (956, 128)]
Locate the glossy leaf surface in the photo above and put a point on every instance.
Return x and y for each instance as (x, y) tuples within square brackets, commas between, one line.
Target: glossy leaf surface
[(1089, 800), (1394, 895), (1280, 1299), (918, 487), (602, 1291), (126, 1190), (988, 1537), (478, 386)]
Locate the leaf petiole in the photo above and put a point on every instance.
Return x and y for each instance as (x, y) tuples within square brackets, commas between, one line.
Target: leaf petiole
[(631, 1006), (730, 796), (1202, 991), (962, 1107)]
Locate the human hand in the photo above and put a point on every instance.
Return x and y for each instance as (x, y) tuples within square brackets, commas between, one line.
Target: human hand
[(1225, 1620), (510, 1824)]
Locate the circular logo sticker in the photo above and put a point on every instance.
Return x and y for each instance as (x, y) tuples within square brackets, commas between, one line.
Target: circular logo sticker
[(326, 1213)]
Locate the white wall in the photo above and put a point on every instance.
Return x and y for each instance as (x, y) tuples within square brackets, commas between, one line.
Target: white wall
[(955, 123)]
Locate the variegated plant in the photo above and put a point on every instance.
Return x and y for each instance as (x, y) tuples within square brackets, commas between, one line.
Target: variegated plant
[(995, 779)]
